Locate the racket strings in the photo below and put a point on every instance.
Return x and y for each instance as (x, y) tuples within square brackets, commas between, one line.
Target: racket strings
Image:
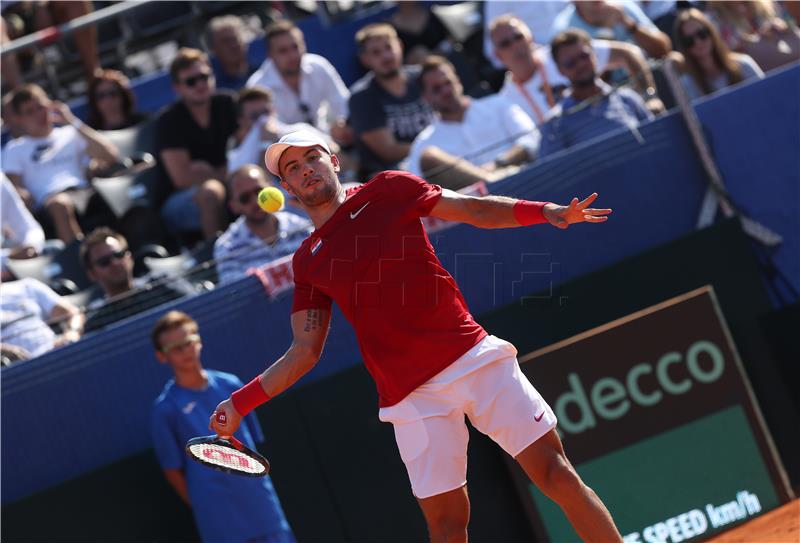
[(226, 457)]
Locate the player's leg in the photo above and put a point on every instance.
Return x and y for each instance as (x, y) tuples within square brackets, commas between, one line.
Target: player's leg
[(447, 515), (507, 408), (549, 469), (434, 451)]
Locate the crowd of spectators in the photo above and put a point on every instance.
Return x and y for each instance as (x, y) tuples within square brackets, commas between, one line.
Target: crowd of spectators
[(568, 73)]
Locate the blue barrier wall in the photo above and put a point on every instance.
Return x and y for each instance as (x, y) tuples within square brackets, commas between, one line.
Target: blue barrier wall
[(84, 406)]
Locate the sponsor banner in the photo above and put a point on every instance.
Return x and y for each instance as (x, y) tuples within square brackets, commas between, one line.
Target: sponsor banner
[(657, 416)]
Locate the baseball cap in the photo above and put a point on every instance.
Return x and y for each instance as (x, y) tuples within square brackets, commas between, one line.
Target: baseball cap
[(299, 138)]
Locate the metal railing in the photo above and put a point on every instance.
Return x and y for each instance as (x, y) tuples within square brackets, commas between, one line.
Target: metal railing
[(52, 34)]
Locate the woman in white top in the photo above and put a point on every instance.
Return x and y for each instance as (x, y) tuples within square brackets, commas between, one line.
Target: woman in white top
[(707, 63)]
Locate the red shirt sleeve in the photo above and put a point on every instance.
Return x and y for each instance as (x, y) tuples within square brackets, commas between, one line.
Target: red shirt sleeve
[(415, 193), (306, 295)]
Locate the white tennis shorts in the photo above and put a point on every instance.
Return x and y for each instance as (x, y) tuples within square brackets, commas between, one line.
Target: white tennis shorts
[(486, 385)]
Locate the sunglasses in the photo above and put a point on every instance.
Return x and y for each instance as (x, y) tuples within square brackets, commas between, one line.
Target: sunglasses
[(571, 63), (102, 95), (105, 261), (193, 80), (702, 34), (245, 197), (177, 345), (505, 43)]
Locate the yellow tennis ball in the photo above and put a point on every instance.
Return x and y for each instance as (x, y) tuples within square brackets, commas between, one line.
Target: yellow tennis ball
[(270, 199)]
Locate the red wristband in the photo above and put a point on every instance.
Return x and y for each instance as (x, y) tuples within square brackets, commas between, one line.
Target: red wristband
[(249, 397), (528, 213)]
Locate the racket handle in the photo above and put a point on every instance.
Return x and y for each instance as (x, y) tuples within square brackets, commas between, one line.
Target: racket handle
[(222, 418)]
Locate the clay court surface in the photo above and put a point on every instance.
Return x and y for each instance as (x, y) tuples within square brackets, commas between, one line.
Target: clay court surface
[(779, 526)]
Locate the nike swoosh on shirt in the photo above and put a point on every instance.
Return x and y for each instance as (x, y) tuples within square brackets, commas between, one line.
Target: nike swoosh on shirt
[(188, 407), (354, 215), (537, 419)]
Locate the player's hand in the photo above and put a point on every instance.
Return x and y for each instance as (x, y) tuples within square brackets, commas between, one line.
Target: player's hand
[(563, 216), (225, 420)]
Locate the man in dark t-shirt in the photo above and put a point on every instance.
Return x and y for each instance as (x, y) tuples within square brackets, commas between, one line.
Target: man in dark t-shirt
[(192, 134), (386, 107)]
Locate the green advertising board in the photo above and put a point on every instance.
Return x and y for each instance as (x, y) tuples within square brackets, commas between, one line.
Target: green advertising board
[(657, 416)]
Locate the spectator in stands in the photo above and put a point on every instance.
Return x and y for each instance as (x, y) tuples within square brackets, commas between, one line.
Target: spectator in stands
[(534, 82), (255, 238), (572, 122), (489, 134), (21, 236), (705, 59), (661, 12), (539, 17), (109, 263), (420, 31), (112, 103), (306, 87), (191, 138), (27, 309), (226, 39), (623, 21), (386, 106), (11, 126), (225, 507), (756, 29), (48, 164), (259, 127)]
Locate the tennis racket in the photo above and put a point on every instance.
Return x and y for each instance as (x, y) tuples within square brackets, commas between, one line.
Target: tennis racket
[(228, 455)]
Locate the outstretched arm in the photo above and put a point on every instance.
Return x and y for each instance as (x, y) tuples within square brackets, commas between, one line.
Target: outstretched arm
[(310, 329), (503, 212)]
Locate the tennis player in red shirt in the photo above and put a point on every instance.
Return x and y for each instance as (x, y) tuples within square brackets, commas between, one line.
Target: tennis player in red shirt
[(431, 362)]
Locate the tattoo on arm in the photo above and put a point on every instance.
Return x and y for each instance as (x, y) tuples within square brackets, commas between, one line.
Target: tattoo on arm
[(313, 319)]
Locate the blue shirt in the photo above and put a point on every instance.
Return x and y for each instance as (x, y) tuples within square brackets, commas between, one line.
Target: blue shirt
[(569, 18), (230, 82), (567, 127), (226, 507)]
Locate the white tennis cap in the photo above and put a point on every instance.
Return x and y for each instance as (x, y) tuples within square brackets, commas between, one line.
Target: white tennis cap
[(300, 138)]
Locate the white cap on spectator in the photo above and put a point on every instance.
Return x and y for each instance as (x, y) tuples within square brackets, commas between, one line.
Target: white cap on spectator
[(300, 138)]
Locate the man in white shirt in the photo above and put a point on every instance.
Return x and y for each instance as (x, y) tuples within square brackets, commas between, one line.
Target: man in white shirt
[(534, 82), (259, 127), (471, 140), (27, 309), (306, 87), (48, 164), (255, 238)]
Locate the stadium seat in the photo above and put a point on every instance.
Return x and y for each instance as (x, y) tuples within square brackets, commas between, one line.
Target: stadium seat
[(173, 266), (38, 267)]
